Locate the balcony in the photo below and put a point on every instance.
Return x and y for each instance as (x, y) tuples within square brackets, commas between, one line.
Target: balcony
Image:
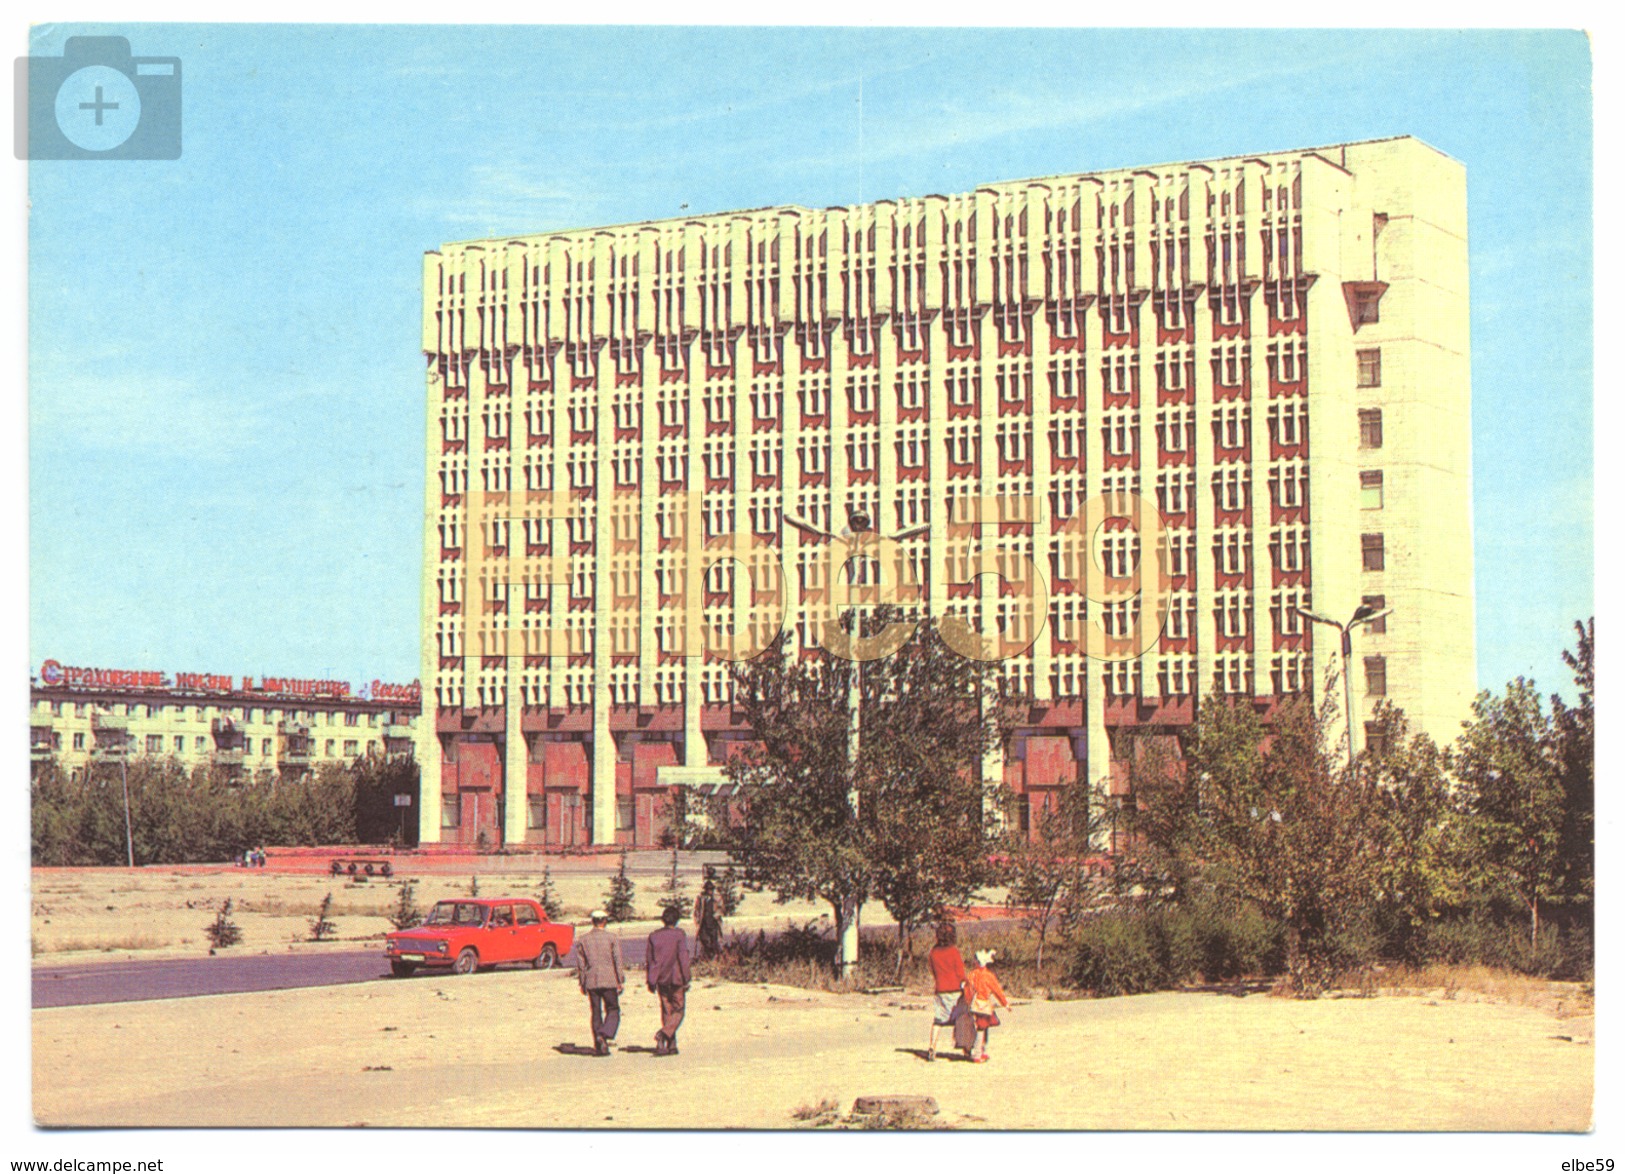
[(111, 750), (43, 742), (397, 730), (232, 757), (102, 719)]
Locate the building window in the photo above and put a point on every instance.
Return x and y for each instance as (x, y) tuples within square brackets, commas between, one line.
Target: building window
[(200, 745), (1371, 428), (79, 742), (1370, 368), (155, 743), (329, 750), (623, 815), (352, 719), (1365, 307), (265, 746), (1371, 489), (78, 709), (536, 812), (1371, 552), (351, 748), (1376, 676), (1375, 603), (1375, 740), (449, 815)]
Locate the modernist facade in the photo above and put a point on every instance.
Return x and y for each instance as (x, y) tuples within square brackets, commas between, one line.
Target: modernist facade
[(274, 727), (1247, 376)]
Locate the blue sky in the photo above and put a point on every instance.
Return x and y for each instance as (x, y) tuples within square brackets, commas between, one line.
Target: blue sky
[(225, 391)]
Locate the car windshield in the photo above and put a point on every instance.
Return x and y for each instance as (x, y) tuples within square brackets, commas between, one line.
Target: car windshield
[(455, 913)]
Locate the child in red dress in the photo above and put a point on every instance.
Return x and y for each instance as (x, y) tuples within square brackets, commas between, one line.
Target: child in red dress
[(982, 990)]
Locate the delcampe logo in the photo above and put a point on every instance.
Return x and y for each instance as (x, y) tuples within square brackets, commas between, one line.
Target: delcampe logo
[(97, 101)]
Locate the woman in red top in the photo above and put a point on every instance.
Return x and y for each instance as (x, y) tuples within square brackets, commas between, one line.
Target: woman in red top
[(948, 979), (982, 989)]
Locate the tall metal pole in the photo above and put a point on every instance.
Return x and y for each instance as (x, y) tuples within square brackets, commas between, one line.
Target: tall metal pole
[(124, 779), (1364, 614)]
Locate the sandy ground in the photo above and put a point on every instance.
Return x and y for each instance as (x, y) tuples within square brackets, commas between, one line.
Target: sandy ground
[(486, 1051), (496, 1049)]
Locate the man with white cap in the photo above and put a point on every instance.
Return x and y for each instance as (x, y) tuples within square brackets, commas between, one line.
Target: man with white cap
[(602, 976)]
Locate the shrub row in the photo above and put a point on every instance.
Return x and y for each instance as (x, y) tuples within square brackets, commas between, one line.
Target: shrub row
[(1131, 951)]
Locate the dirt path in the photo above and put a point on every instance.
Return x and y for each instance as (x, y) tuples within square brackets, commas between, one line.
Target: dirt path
[(482, 1051)]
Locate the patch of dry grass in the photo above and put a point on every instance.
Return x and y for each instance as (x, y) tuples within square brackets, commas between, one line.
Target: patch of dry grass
[(135, 941), (1450, 981)]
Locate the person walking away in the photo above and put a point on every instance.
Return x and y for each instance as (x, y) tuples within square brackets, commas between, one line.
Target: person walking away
[(667, 973), (947, 980), (982, 990), (602, 976), (709, 935)]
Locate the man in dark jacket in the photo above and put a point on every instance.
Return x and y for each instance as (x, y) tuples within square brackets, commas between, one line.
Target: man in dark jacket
[(667, 972), (602, 978)]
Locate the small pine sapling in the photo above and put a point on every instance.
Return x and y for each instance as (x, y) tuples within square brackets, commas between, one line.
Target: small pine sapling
[(548, 897), (223, 931), (322, 928), (618, 901), (406, 913)]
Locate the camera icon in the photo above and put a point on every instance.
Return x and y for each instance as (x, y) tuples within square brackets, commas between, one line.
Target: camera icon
[(96, 101)]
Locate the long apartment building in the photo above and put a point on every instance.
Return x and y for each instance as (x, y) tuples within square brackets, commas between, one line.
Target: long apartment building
[(273, 728), (1253, 372)]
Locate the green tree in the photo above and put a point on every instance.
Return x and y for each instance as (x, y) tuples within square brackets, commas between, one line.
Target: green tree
[(915, 836), (1508, 762), (1573, 738), (223, 931), (1047, 869), (1425, 840), (1272, 817), (622, 890)]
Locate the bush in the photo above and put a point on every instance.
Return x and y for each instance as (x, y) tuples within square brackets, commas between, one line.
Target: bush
[(1562, 952), (406, 913), (1115, 954), (1134, 950), (321, 927), (622, 890)]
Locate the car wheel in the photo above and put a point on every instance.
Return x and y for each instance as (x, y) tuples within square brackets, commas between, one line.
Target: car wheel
[(402, 969), (547, 959), (467, 962)]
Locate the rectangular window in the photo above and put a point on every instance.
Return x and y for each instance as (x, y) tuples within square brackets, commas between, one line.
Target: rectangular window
[(449, 814), (351, 748), (155, 743), (1370, 368), (329, 748), (1376, 603), (265, 746), (351, 719), (1371, 428), (200, 745), (536, 812), (1375, 742), (1376, 676), (623, 815), (1371, 489), (1371, 552), (180, 744), (79, 742)]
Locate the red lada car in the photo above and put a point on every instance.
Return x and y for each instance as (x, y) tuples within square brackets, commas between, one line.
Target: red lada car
[(471, 933)]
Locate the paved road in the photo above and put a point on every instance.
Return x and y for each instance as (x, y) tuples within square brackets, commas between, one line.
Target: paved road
[(179, 978)]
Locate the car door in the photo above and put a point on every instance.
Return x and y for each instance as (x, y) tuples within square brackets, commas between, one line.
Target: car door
[(527, 931), (500, 933)]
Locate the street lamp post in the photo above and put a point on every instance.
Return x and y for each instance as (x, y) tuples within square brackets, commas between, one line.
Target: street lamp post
[(858, 531), (1364, 614)]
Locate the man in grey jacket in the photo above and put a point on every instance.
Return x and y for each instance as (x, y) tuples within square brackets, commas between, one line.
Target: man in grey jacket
[(667, 972), (602, 977)]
